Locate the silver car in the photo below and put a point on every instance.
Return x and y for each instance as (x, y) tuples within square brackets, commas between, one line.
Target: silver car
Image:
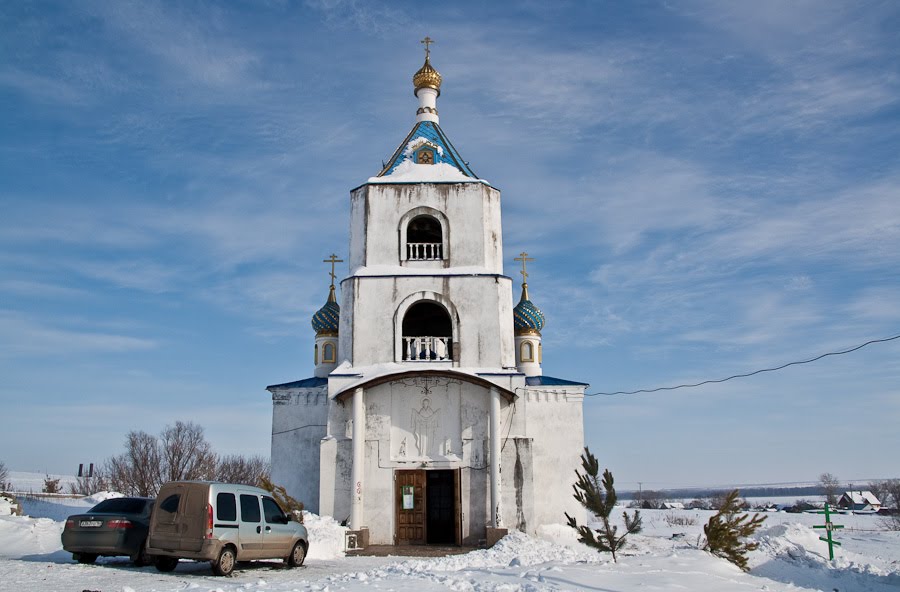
[(222, 523)]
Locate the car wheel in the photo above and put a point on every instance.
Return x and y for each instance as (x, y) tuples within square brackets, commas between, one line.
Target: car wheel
[(164, 563), (297, 556), (86, 558), (224, 565), (140, 559)]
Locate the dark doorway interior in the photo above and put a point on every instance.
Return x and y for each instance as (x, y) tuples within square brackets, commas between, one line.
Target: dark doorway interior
[(427, 319), (440, 508)]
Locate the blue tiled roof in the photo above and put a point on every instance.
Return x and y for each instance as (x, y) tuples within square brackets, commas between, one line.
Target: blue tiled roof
[(550, 381), (305, 383), (432, 132)]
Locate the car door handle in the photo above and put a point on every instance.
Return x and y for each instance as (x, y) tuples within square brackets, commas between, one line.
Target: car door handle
[(268, 529), (258, 529)]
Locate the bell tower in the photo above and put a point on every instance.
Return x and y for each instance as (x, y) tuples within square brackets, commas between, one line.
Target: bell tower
[(426, 284)]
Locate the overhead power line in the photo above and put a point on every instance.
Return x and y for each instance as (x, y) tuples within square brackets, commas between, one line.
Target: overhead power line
[(748, 374)]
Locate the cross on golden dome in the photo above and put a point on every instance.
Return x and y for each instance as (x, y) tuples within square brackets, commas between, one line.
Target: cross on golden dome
[(427, 41), (427, 76)]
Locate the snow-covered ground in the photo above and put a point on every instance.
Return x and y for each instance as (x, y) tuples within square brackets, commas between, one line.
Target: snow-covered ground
[(664, 557), (32, 482)]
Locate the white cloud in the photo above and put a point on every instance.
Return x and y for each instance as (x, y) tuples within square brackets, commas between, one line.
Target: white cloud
[(365, 15), (20, 335), (192, 50)]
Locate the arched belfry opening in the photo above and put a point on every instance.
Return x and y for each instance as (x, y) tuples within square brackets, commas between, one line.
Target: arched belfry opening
[(424, 239), (427, 333)]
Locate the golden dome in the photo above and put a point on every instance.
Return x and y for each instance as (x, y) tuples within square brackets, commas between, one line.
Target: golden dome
[(427, 77)]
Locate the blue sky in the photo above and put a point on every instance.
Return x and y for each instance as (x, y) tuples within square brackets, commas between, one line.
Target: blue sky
[(708, 188)]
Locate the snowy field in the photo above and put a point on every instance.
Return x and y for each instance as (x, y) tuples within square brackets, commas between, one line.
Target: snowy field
[(664, 557)]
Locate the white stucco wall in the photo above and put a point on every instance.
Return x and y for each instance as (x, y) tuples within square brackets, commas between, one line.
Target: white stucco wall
[(298, 425), (371, 326), (555, 422), (472, 211), (459, 440), (468, 282)]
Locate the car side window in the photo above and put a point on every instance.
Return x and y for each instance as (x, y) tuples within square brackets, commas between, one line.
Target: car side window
[(226, 508), (170, 504), (250, 508), (273, 512)]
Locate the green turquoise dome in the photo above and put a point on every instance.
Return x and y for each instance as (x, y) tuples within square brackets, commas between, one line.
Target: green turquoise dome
[(527, 316), (327, 318)]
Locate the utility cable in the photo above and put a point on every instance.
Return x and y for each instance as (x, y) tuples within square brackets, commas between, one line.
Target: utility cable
[(748, 374)]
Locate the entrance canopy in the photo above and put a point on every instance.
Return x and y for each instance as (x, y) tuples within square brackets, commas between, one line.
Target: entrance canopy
[(370, 381)]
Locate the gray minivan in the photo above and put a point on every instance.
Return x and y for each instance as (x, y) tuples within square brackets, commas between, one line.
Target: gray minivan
[(221, 523)]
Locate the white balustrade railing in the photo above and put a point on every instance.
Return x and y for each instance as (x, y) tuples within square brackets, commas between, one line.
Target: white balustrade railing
[(427, 349), (424, 251)]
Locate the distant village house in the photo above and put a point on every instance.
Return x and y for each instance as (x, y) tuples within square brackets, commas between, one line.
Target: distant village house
[(861, 501)]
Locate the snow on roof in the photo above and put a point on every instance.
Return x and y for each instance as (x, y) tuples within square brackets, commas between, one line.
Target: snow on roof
[(392, 270), (359, 375), (439, 172), (862, 497)]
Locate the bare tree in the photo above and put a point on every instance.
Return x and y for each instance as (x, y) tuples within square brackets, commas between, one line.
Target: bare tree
[(248, 470), (651, 500), (699, 504), (891, 489), (137, 471), (4, 475), (880, 490), (179, 453), (717, 500), (186, 454), (89, 484), (830, 487)]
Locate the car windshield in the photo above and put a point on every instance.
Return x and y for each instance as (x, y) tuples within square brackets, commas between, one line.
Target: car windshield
[(122, 505)]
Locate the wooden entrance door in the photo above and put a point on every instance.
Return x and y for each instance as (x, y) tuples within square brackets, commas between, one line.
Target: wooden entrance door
[(436, 508), (410, 521)]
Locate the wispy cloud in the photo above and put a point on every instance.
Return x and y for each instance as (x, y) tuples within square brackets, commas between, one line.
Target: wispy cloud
[(197, 50), (378, 18), (20, 335)]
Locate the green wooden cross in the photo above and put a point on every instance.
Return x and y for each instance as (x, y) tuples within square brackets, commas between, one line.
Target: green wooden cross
[(829, 527)]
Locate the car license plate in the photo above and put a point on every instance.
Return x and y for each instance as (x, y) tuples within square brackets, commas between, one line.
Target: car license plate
[(91, 523)]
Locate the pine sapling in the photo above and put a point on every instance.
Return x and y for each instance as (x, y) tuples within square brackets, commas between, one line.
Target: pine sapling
[(726, 530), (599, 498), (291, 506)]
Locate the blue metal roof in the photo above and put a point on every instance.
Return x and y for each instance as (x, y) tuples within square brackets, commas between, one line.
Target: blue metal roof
[(305, 383), (550, 381), (432, 132)]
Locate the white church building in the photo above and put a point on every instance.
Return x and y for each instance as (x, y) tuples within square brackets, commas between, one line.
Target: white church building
[(428, 419)]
